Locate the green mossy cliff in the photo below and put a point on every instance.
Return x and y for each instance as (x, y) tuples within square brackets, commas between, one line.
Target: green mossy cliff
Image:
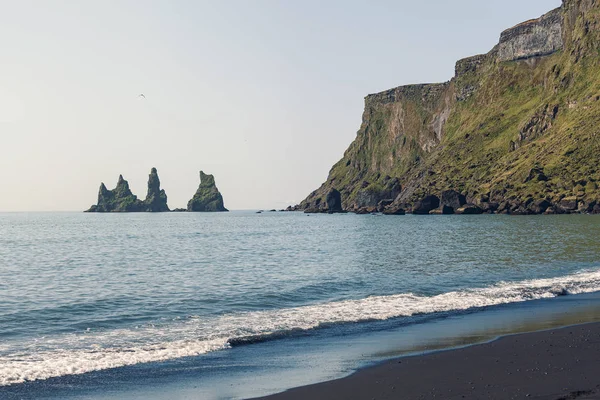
[(517, 130)]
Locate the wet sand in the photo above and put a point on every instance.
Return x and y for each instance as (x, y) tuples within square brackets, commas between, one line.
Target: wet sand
[(555, 364)]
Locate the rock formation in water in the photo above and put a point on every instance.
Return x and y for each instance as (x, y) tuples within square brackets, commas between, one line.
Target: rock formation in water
[(334, 202), (120, 199), (207, 197), (156, 199), (514, 131)]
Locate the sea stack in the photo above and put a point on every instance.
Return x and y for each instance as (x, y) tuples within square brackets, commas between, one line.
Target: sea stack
[(334, 202), (156, 199), (207, 197), (120, 199)]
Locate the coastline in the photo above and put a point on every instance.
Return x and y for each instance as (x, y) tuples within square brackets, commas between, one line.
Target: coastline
[(559, 363), (267, 368)]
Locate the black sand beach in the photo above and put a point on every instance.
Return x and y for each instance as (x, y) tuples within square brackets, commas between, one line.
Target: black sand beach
[(555, 364)]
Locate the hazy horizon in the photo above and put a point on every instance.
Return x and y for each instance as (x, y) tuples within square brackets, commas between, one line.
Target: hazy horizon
[(266, 96)]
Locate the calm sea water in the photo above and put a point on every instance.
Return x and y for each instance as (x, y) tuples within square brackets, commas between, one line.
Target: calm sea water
[(89, 292)]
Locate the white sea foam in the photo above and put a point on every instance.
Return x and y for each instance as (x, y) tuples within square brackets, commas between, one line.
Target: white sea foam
[(90, 351)]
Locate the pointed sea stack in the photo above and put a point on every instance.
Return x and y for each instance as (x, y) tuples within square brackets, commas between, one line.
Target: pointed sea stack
[(120, 199), (156, 199), (207, 197)]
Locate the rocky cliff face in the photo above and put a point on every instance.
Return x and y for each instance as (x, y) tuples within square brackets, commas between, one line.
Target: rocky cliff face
[(535, 38), (207, 197), (514, 131), (400, 126), (121, 199)]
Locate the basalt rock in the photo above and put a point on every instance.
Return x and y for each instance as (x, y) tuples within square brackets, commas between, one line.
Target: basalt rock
[(539, 206), (156, 198), (568, 203), (452, 199), (334, 201), (120, 199), (207, 197), (489, 207), (425, 205)]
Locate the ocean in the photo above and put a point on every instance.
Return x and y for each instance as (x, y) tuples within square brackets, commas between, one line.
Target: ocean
[(239, 304)]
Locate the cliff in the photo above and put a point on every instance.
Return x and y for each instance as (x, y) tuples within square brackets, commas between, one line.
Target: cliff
[(515, 130), (207, 198), (121, 199)]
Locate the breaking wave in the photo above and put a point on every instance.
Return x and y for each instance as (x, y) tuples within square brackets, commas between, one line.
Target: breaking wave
[(94, 351)]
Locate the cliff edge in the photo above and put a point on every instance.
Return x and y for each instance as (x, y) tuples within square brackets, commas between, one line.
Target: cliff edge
[(514, 131)]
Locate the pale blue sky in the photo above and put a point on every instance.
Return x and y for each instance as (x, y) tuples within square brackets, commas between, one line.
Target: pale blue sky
[(265, 95)]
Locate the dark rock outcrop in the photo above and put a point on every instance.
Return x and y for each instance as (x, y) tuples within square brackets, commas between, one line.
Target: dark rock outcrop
[(489, 207), (370, 195), (452, 199), (156, 198), (443, 210), (334, 201), (424, 206), (207, 197), (568, 203), (539, 206)]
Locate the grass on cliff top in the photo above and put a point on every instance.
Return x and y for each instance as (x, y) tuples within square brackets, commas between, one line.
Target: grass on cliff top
[(476, 149)]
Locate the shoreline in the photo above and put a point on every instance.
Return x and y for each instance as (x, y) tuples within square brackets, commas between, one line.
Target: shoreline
[(558, 363), (294, 364)]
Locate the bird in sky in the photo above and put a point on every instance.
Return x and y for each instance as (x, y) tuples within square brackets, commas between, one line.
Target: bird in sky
[(142, 95)]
